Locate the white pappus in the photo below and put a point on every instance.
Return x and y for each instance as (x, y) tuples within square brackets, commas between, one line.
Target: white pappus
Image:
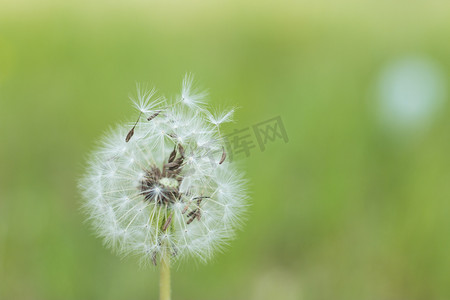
[(162, 185)]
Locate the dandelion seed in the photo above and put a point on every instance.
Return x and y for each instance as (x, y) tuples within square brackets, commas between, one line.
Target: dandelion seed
[(219, 117), (191, 96), (224, 155), (145, 103), (153, 115)]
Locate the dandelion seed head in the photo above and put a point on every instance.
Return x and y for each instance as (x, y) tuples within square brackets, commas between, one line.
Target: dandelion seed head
[(161, 187)]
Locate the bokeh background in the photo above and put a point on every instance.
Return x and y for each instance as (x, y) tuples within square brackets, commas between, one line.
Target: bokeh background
[(354, 206)]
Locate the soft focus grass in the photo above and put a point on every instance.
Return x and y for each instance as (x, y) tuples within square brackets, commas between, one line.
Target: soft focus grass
[(342, 211)]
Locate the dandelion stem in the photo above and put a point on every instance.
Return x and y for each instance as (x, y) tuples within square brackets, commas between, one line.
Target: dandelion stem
[(164, 276)]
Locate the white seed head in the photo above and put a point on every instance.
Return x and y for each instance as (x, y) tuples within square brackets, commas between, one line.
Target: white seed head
[(161, 185)]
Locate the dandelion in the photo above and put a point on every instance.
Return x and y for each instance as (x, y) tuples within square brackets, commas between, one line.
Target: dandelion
[(161, 187)]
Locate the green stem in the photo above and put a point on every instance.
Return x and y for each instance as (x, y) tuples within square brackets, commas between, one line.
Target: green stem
[(164, 277)]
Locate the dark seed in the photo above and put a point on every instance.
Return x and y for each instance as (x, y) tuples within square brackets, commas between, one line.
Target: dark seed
[(190, 220), (154, 258), (224, 155), (169, 220), (154, 115), (175, 164), (192, 213), (172, 155), (129, 135), (175, 251), (201, 197), (171, 165), (181, 150)]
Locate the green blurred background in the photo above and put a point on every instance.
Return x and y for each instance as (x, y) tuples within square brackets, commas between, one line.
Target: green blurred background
[(348, 209)]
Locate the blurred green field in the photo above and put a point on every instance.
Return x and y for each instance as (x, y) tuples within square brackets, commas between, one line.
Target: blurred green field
[(344, 210)]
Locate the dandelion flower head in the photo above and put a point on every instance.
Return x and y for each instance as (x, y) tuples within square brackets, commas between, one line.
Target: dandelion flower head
[(163, 184)]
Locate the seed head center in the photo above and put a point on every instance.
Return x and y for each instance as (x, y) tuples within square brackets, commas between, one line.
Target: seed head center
[(171, 183)]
